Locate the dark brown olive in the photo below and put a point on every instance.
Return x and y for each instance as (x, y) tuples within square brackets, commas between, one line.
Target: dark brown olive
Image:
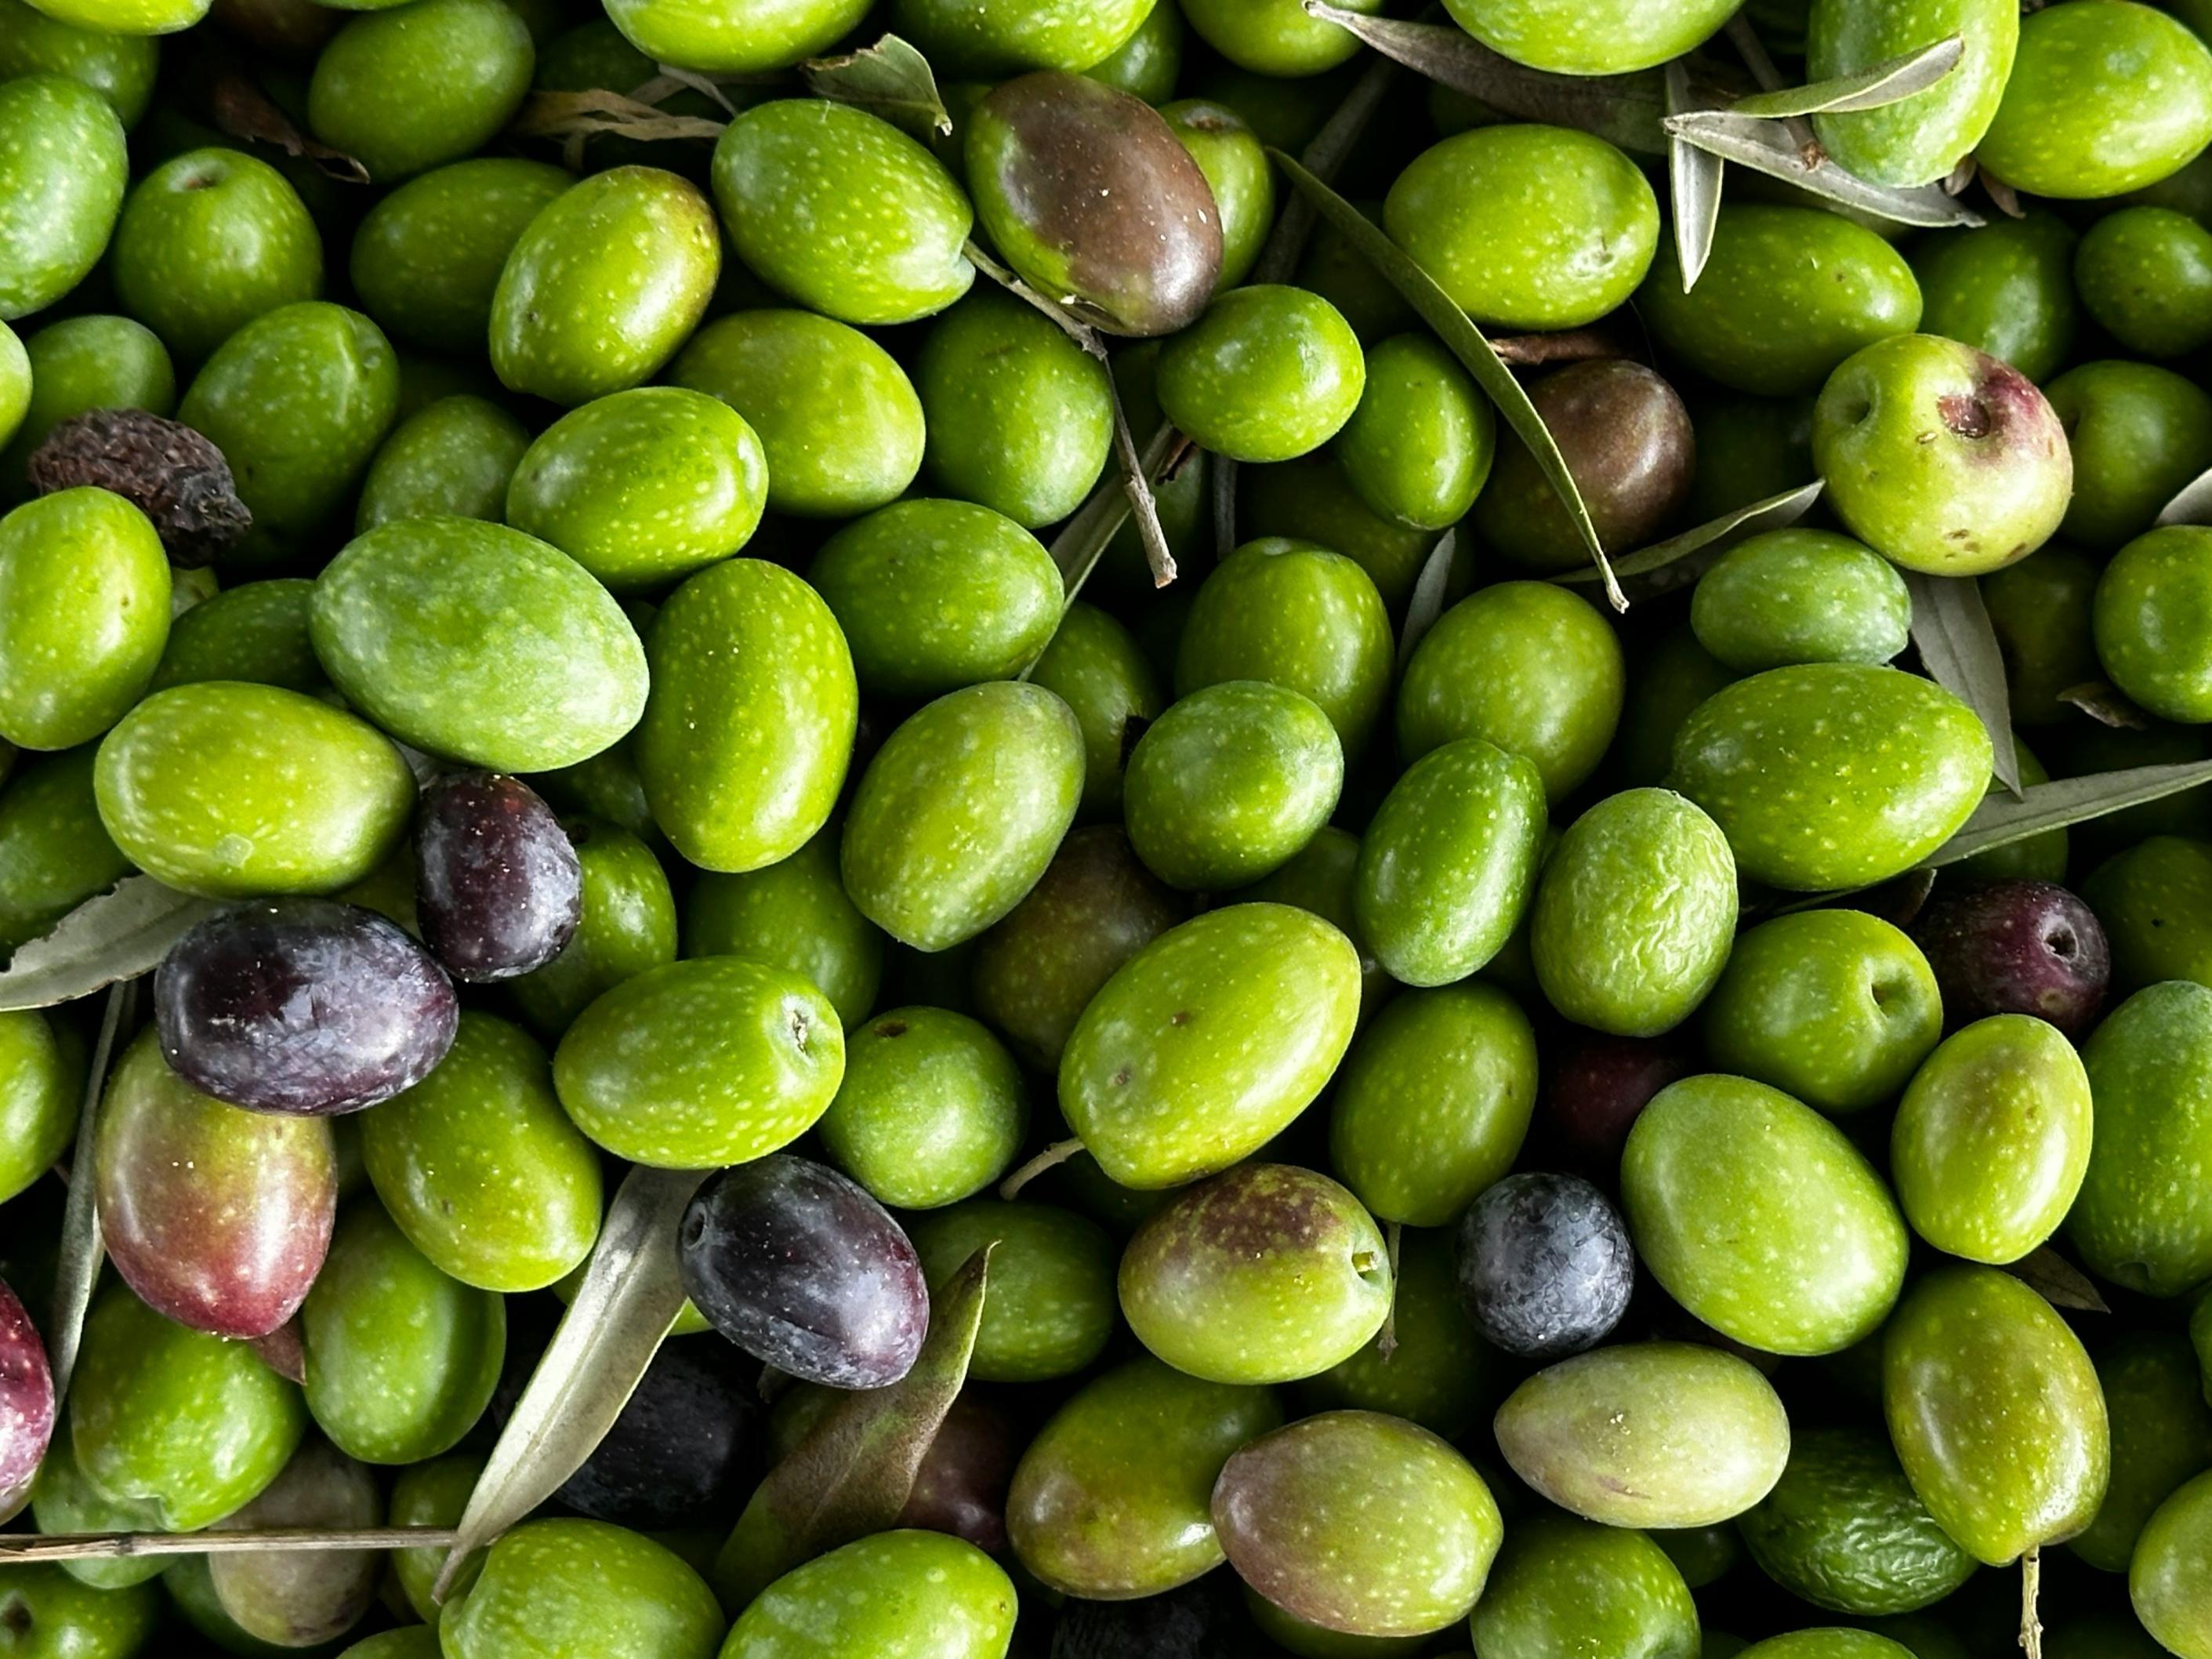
[(498, 885)]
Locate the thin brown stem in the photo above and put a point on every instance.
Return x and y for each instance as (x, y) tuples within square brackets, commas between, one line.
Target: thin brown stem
[(1050, 1158), (120, 1545), (1136, 485), (1074, 327)]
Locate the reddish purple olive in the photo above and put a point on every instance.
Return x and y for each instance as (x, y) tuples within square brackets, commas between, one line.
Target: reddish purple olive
[(2017, 946), (26, 1403), (498, 885)]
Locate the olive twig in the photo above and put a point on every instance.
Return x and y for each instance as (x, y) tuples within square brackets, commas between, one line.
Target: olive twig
[(2031, 1585), (1050, 1158), (1138, 487), (1076, 329), (16, 1548)]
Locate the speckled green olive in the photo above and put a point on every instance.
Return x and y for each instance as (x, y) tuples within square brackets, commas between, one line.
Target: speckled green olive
[(1048, 1310), (1095, 667), (1560, 1583), (1760, 1218), (297, 400), (1113, 1498), (2006, 289), (1992, 1139), (1526, 227), (86, 362), (1148, 64), (1571, 37), (2166, 1581), (185, 1423), (2151, 899), (1265, 1274), (452, 458), (839, 421), (229, 790), (1230, 782), (628, 924), (84, 612), (2152, 605), (1833, 774), (1995, 1411), (51, 1615), (2145, 274), (1449, 862), (1268, 373), (603, 284), (1789, 293), (1798, 596), (1920, 139), (1843, 1529), (401, 1359), (749, 726), (1309, 501), (120, 68), (1836, 1007), (763, 1058), (64, 1501), (2140, 1221), (479, 642), (933, 595), (480, 1168), (1829, 1641), (643, 486), (1207, 1041), (2103, 98), (2161, 1429), (2138, 433), (1673, 676), (1434, 1102), (960, 811), (1648, 1434), (903, 1592), (1635, 913), (713, 42), (792, 913), (570, 1586), (256, 632), (406, 91), (1440, 1375), (14, 384), (41, 1074), (932, 1108), (1237, 170), (1417, 448), (426, 258), (842, 211), (62, 172), (1274, 38), (994, 39), (208, 241), (1019, 418), (432, 1494)]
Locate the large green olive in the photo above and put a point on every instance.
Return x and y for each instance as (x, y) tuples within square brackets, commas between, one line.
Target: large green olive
[(84, 612), (2142, 1219)]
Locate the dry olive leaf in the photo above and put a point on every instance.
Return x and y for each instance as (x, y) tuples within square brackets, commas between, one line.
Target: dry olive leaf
[(77, 1269), (854, 1473), (577, 114), (2000, 821), (1465, 341), (1693, 183), (1428, 601), (2102, 702), (242, 110), (1769, 147), (2057, 1281), (1681, 560), (630, 1295), (1891, 82), (890, 79), (1566, 345), (1959, 649), (115, 935)]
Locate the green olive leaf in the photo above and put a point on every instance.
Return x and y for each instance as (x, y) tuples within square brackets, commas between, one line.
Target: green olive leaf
[(1959, 648), (630, 1295), (579, 114), (2000, 821), (1890, 81), (854, 1473), (1623, 109), (2193, 505), (1680, 560), (2057, 1281), (1693, 183), (77, 1269), (891, 79), (1769, 147), (1428, 601), (1465, 341), (115, 935)]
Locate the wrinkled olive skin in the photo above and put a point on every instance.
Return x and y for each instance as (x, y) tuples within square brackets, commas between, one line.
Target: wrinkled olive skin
[(1919, 139), (603, 284), (2161, 1427), (2006, 289), (628, 926), (794, 914), (188, 769), (1090, 196), (49, 1613), (62, 167), (1207, 1041), (842, 211), (714, 42), (2140, 1220), (1760, 1218), (1268, 373), (2166, 1582), (960, 811), (1648, 1434), (2153, 604), (1843, 1530), (404, 95), (1113, 1498), (1560, 1583), (1095, 667), (1797, 596), (481, 1169), (452, 458), (1804, 769), (2137, 433), (54, 851), (1359, 1523), (1450, 860), (1571, 37), (1995, 1413), (426, 259), (902, 1591), (1836, 1007), (1526, 227), (749, 726), (84, 615), (41, 1066), (1048, 1309), (1635, 913), (932, 1109), (577, 1586)]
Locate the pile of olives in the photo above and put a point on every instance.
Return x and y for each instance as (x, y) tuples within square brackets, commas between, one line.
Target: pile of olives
[(930, 626)]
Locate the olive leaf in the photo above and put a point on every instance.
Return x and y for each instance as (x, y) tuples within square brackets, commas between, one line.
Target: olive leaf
[(24, 1547), (890, 79), (115, 935), (1428, 601), (576, 114), (2193, 505), (77, 1265), (630, 1295), (1769, 147), (2000, 821), (1623, 109), (1566, 345), (1681, 560), (854, 1473), (2103, 702), (2057, 1281), (242, 110), (1465, 341), (1324, 157), (1693, 184), (1959, 649), (1890, 81)]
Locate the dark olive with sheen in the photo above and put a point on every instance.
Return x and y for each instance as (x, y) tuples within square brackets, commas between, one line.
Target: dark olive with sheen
[(498, 885)]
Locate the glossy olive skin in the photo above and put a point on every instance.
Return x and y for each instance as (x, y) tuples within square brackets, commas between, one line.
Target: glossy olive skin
[(2007, 288), (1560, 1582), (1048, 1309), (2161, 1427), (588, 1586), (2164, 1582), (84, 604), (256, 632), (426, 259), (764, 38), (2138, 1221), (2150, 607), (898, 1591), (54, 851), (2146, 899), (1113, 1499), (2145, 274), (932, 1108), (41, 1077), (1359, 1523), (27, 1396), (62, 153), (2138, 433), (49, 1612), (454, 456), (1095, 665), (80, 363), (499, 890), (793, 913), (1609, 38), (1843, 1529), (1793, 596), (1995, 1413)]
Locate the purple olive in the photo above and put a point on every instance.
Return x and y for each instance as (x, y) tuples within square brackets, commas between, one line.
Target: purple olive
[(687, 1448), (305, 1006), (1597, 1088), (961, 1486), (801, 1268), (2016, 946), (498, 885), (26, 1403), (1545, 1264)]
